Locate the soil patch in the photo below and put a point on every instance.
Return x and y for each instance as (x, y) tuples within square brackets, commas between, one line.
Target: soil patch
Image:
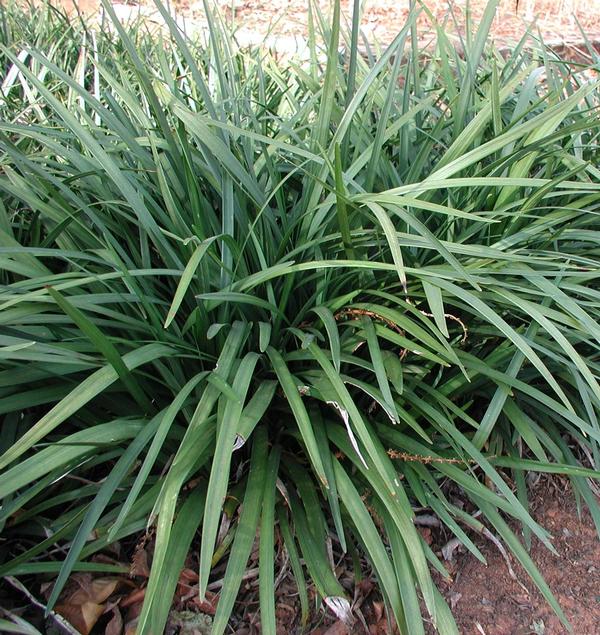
[(283, 24), (486, 600), (558, 20)]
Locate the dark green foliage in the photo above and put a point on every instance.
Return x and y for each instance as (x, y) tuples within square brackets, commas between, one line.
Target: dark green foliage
[(223, 269)]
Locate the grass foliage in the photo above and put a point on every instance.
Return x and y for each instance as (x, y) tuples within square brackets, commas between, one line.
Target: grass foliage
[(326, 291)]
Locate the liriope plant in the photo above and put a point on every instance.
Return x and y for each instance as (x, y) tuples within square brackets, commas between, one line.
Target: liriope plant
[(336, 287)]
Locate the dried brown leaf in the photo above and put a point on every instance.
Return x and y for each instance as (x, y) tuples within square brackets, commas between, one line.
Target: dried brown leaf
[(339, 628), (115, 626), (135, 597), (82, 616), (209, 606)]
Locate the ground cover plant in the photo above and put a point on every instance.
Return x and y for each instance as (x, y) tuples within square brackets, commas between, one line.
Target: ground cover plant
[(320, 291)]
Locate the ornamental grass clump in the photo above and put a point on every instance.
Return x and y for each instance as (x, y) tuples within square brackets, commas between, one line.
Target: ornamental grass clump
[(327, 291)]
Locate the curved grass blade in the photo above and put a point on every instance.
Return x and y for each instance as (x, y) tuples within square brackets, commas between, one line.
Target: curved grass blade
[(298, 409), (227, 426), (245, 532), (187, 276), (85, 392), (266, 560)]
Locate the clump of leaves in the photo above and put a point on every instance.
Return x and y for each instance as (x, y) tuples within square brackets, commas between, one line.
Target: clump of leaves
[(330, 286)]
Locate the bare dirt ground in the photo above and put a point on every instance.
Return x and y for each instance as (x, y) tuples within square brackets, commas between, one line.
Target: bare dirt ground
[(558, 20), (499, 598), (486, 600), (284, 22)]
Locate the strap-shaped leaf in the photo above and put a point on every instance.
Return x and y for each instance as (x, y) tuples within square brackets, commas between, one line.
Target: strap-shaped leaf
[(99, 504), (266, 553), (91, 387), (187, 276), (228, 422), (245, 532), (291, 391)]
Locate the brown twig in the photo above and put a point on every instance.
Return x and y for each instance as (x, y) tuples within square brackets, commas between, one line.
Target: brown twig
[(416, 458), (354, 312)]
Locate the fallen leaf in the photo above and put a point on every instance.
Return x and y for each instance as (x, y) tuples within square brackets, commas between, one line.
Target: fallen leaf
[(134, 597), (186, 585), (378, 609), (339, 628), (209, 606), (426, 534), (131, 627), (82, 616), (115, 626), (188, 575), (83, 606), (102, 588), (386, 626), (365, 586), (97, 591)]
